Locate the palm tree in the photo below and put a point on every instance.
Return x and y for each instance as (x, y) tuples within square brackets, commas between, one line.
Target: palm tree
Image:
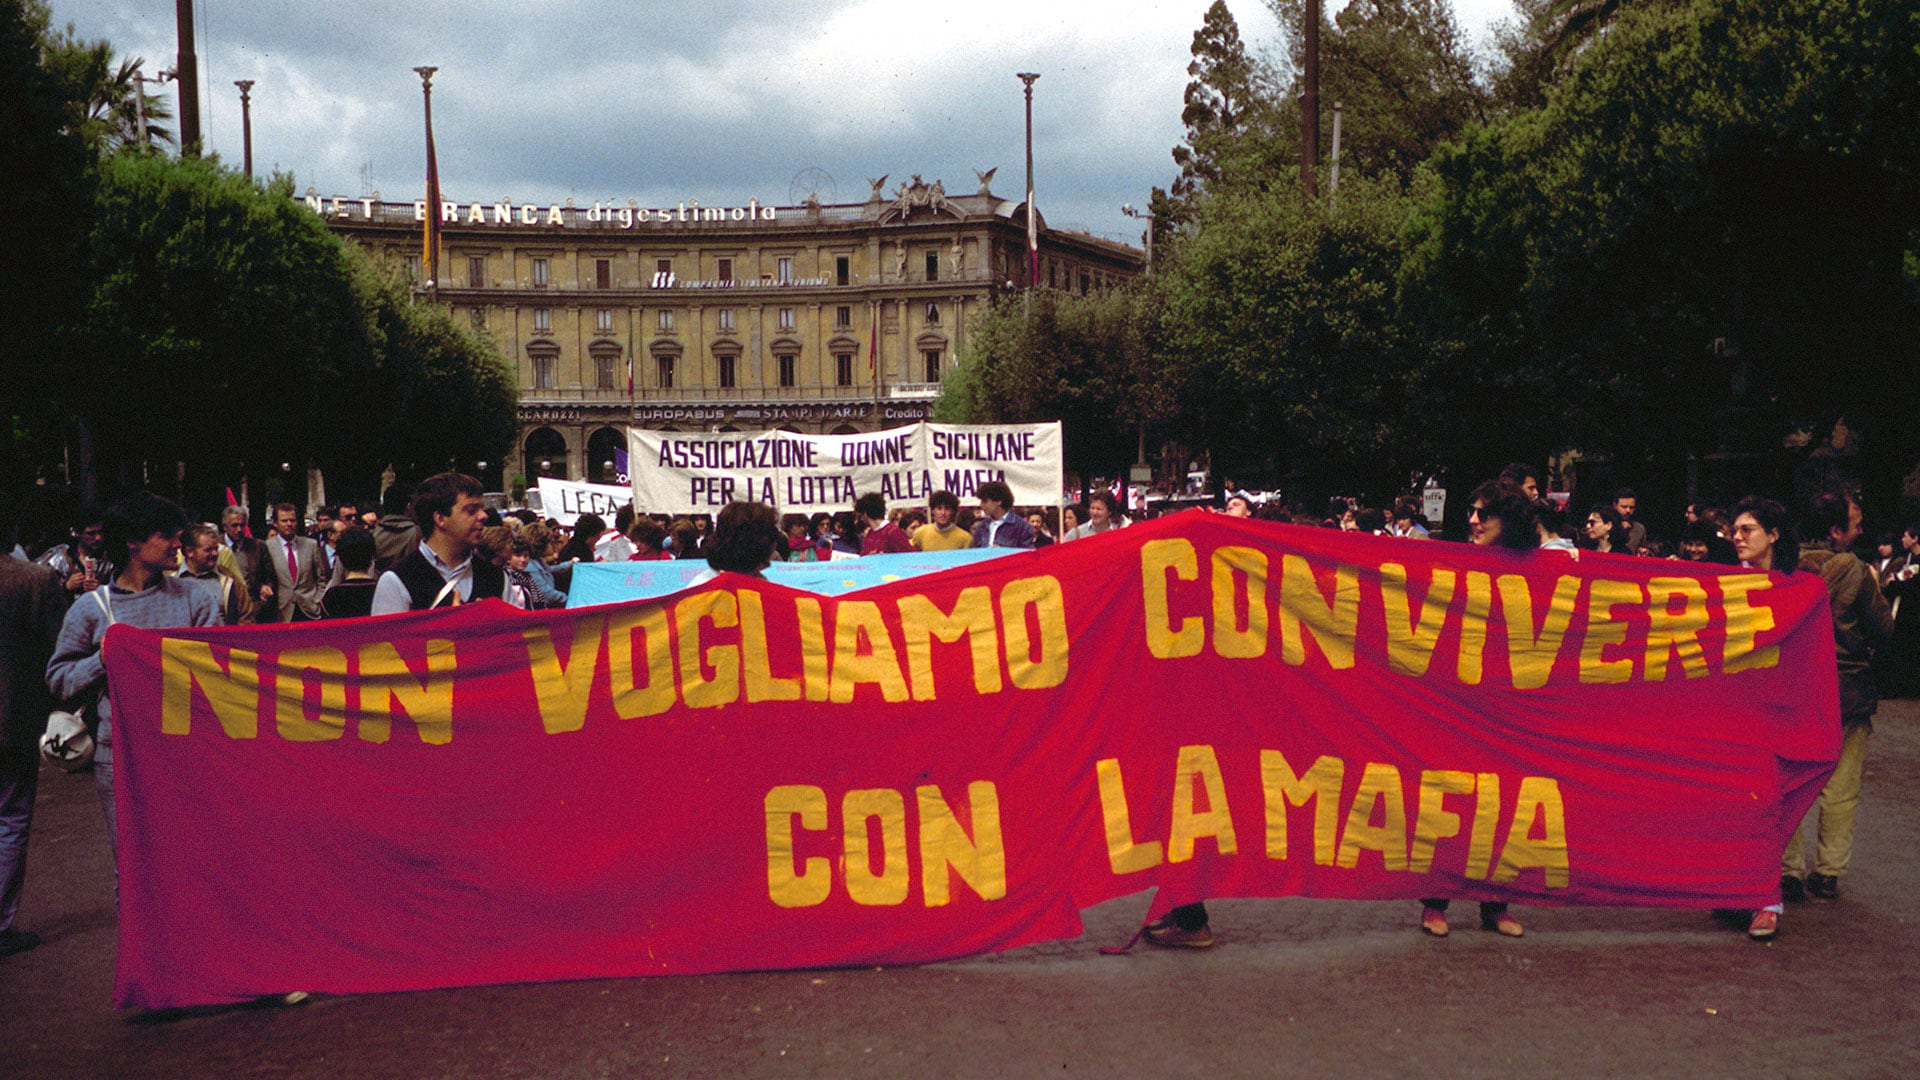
[(104, 109)]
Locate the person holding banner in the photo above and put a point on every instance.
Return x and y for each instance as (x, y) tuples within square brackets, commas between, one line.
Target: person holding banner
[(442, 571), (141, 533), (1502, 516), (1103, 515)]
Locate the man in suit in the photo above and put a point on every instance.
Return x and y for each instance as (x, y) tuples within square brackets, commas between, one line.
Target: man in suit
[(242, 552), (290, 579)]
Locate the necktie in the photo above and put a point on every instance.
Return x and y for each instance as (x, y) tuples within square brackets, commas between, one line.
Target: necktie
[(293, 568)]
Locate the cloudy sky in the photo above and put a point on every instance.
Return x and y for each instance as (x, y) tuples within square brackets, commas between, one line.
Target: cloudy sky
[(718, 100)]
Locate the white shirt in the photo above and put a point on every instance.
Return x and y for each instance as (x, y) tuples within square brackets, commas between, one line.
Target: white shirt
[(390, 596)]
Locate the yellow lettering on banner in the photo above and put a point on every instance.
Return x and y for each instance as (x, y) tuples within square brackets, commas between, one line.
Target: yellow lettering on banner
[(1379, 786), (860, 621), (1745, 624), (1531, 657), (1157, 557), (632, 698), (1043, 595), (981, 861), (1410, 646), (1602, 630), (696, 688), (1321, 784), (1331, 622), (1473, 627), (1188, 824), (1125, 856), (885, 807), (1539, 799), (295, 670), (386, 682), (754, 661), (1675, 634), (1231, 565), (232, 691), (1435, 822), (813, 648), (921, 620), (562, 688), (814, 881), (1486, 819)]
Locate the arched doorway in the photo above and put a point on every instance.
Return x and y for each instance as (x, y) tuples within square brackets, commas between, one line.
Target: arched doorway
[(606, 447), (846, 429), (546, 455)]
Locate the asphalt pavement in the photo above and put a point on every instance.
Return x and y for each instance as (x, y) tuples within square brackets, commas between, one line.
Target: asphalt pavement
[(1293, 988)]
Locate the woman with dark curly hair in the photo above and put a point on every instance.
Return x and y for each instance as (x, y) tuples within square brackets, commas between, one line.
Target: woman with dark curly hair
[(1605, 530), (744, 539)]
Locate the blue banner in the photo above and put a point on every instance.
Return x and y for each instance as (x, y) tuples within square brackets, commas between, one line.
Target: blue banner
[(611, 583)]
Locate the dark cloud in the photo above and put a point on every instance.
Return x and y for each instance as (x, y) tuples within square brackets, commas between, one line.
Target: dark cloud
[(721, 100)]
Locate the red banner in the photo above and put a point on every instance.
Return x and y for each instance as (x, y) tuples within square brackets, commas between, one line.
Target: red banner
[(750, 777)]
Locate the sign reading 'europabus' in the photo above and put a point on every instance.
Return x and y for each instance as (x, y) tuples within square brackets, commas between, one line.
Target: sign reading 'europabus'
[(683, 472)]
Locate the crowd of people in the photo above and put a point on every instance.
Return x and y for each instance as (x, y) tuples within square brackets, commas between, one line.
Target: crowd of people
[(142, 561)]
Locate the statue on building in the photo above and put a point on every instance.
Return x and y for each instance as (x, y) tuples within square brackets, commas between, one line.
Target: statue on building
[(986, 179), (875, 196)]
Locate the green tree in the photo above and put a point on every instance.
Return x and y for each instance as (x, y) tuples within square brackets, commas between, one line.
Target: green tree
[(46, 188), (1725, 171), (229, 309), (1083, 360), (105, 96), (1281, 339)]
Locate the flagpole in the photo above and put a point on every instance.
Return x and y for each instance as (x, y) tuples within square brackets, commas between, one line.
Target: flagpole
[(1033, 228), (430, 236)]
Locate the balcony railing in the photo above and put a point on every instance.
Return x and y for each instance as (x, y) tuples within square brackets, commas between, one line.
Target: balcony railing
[(798, 395)]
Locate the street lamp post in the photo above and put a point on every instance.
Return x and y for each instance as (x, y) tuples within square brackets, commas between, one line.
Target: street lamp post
[(140, 81), (430, 241), (246, 122), (1147, 216), (1033, 226)]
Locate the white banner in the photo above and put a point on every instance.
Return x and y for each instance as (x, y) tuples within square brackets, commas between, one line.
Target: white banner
[(677, 472), (565, 500)]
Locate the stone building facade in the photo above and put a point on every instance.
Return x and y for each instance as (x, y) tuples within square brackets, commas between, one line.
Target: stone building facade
[(815, 318)]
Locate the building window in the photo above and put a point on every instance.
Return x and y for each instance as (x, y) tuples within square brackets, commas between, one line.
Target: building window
[(539, 273), (725, 318), (933, 314), (411, 264), (542, 320), (476, 272), (842, 270), (543, 372), (788, 365), (603, 273), (479, 318), (842, 317), (603, 320), (1086, 283), (843, 369), (666, 318), (603, 365), (663, 369), (783, 269), (725, 270), (932, 357), (663, 266), (786, 318), (933, 266), (727, 372)]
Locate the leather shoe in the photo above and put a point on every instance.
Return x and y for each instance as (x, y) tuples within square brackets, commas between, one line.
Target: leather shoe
[(13, 940), (1823, 886), (1503, 924), (1792, 889)]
